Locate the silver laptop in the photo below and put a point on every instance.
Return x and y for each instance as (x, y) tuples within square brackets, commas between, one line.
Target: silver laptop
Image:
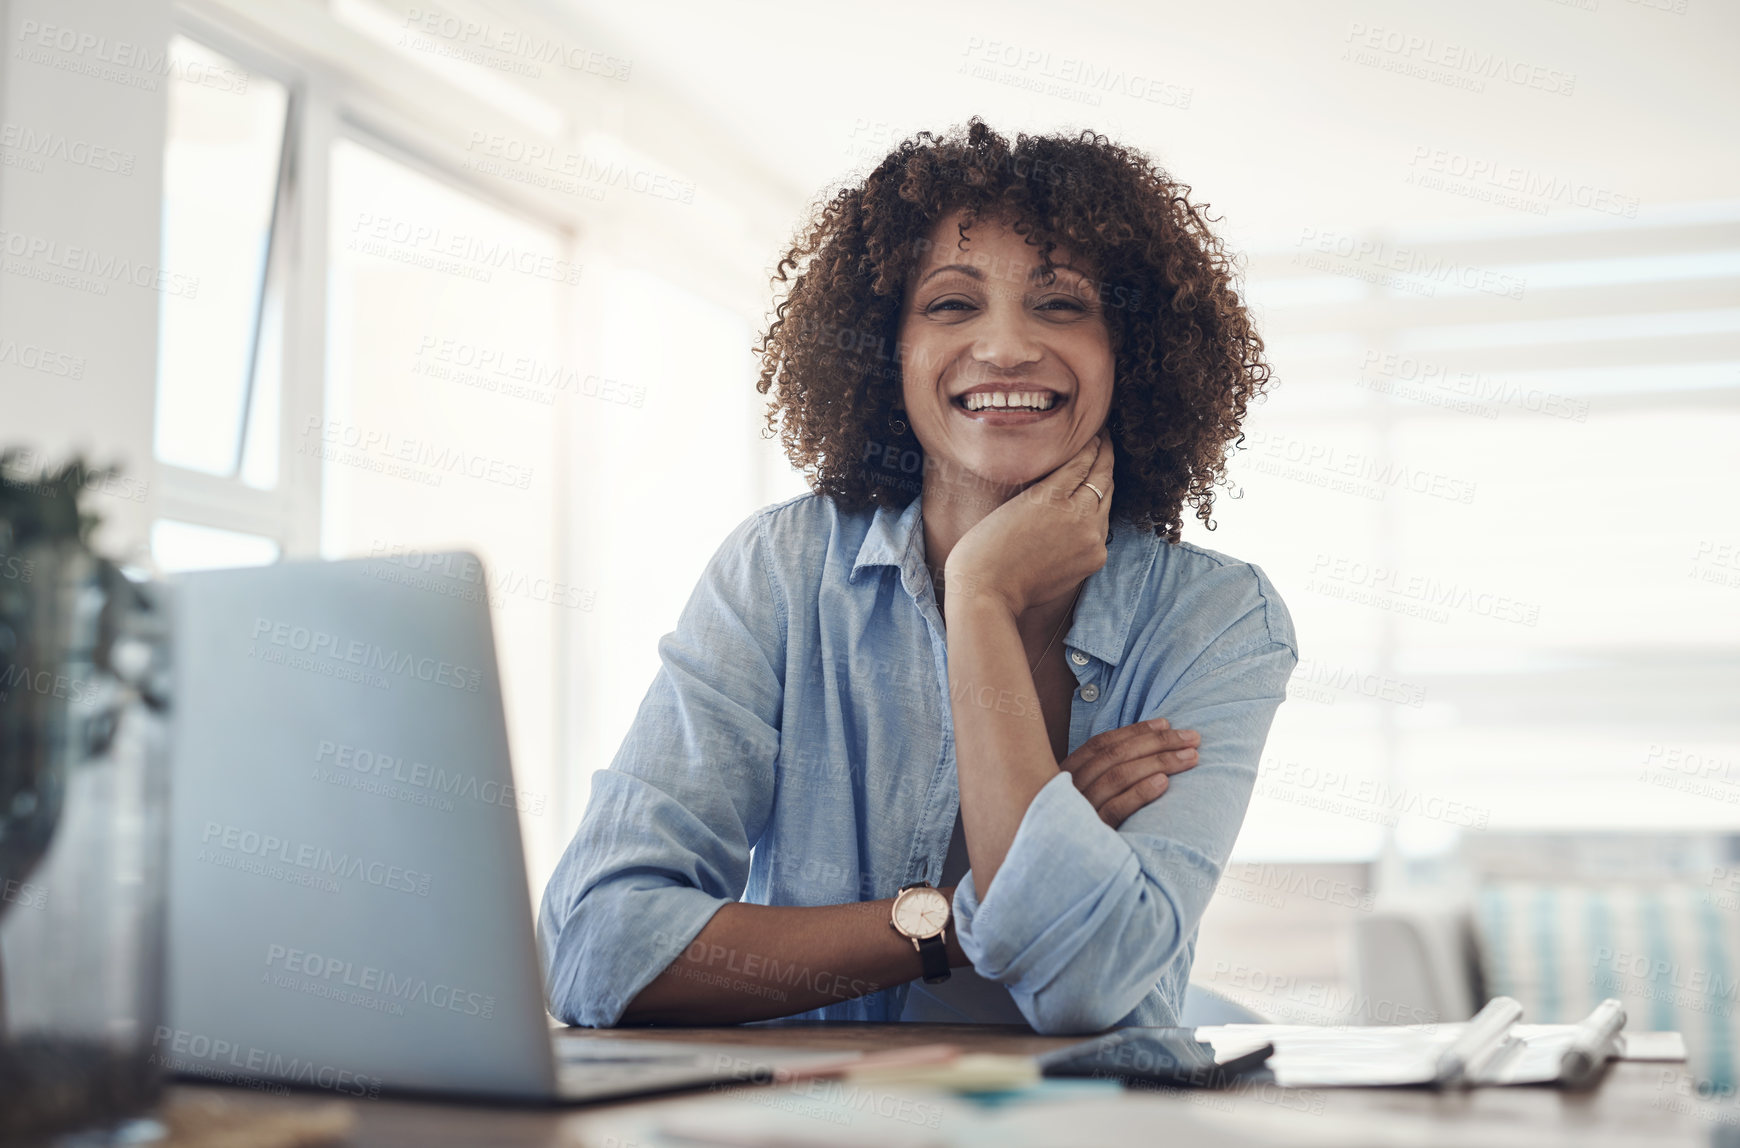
[(348, 899)]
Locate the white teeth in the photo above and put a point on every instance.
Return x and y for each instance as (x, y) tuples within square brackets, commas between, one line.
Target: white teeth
[(1031, 400)]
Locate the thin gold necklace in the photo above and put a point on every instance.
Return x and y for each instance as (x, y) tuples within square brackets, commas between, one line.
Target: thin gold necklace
[(1034, 669)]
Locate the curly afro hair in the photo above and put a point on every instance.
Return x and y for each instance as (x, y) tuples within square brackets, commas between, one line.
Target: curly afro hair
[(1187, 357)]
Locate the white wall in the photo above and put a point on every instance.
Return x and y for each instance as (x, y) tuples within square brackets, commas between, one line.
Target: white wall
[(82, 99)]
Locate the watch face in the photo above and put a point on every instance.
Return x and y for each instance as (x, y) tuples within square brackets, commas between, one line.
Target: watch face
[(921, 912)]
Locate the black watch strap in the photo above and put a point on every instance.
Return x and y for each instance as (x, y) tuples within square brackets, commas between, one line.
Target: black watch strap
[(935, 955)]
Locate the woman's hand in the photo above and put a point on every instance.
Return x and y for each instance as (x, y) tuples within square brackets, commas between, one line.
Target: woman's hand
[(1122, 770), (1040, 544)]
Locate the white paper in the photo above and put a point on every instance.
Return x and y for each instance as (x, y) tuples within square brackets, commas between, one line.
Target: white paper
[(1668, 1046), (1314, 1056)]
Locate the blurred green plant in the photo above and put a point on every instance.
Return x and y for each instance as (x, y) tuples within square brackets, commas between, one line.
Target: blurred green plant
[(45, 507)]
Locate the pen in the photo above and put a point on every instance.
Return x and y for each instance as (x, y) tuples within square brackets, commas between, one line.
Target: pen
[(1591, 1044), (1484, 1034)]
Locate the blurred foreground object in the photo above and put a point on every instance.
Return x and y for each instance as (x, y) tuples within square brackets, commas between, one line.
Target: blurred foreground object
[(83, 800), (226, 1122)]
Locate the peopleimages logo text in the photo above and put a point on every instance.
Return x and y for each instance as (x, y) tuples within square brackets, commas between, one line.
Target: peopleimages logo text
[(1421, 265), (107, 59), (268, 847), (171, 1045), (102, 268), (397, 455), (319, 643), (367, 979), (396, 768), (42, 144)]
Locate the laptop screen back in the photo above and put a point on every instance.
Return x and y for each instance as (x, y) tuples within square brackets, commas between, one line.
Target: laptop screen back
[(348, 900)]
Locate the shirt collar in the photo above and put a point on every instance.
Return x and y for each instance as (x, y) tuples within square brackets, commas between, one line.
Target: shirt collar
[(1108, 601)]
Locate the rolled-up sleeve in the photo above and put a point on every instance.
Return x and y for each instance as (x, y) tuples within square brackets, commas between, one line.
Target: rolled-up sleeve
[(1083, 920), (666, 837)]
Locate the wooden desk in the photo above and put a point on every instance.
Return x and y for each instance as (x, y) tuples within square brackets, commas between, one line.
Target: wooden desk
[(1637, 1104)]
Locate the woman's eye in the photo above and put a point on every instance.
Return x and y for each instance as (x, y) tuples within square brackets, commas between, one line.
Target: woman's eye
[(948, 305), (1062, 304)]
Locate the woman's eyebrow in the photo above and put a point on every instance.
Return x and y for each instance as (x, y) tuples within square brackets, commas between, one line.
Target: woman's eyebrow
[(965, 269), (974, 272)]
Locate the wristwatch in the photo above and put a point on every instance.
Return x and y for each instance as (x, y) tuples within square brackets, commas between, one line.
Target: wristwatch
[(921, 914)]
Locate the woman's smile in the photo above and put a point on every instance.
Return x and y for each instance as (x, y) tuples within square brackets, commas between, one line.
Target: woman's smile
[(1011, 405)]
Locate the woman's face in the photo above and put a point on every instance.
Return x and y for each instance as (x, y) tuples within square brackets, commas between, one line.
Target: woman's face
[(980, 325)]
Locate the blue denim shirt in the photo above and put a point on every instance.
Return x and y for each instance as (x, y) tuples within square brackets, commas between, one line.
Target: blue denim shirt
[(796, 747)]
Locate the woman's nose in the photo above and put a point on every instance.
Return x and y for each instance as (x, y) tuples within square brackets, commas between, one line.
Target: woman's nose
[(1005, 338)]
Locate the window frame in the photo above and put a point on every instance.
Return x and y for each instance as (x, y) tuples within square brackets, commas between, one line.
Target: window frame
[(225, 502), (323, 107)]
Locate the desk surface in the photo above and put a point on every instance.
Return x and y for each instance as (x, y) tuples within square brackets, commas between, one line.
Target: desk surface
[(1638, 1103)]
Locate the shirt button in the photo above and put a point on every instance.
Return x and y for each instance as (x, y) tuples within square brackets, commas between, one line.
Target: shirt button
[(1078, 657), (1090, 693)]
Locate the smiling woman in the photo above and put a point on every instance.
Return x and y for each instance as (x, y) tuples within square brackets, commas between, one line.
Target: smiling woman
[(1090, 238), (842, 781)]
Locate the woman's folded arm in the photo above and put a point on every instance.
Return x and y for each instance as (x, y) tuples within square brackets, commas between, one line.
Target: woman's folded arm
[(1083, 920)]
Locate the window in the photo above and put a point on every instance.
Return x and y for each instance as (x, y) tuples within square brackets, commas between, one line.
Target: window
[(1489, 510), (230, 204), (223, 181), (418, 342), (445, 371), (178, 546)]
